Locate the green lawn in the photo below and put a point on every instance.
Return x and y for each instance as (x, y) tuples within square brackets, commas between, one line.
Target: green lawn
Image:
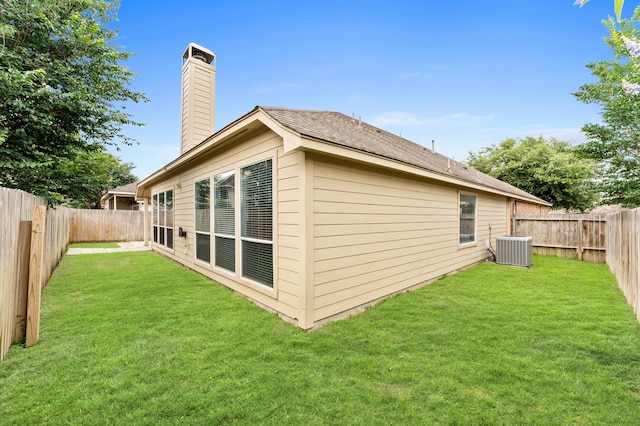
[(133, 338), (94, 245)]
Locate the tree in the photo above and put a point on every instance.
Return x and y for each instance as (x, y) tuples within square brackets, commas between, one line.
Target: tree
[(547, 169), (88, 176), (615, 142), (63, 89)]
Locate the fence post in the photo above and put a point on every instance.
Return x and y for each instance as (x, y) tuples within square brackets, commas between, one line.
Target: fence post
[(24, 246), (35, 274), (580, 231)]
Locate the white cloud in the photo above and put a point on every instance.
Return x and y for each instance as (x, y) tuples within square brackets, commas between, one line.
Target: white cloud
[(400, 118)]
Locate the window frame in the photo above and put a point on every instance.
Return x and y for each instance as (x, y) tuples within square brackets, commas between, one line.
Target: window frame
[(163, 219), (233, 200), (241, 239), (460, 218), (197, 232)]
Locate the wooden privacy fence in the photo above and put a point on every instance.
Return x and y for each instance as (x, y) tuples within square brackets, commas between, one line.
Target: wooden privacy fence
[(580, 236), (106, 225), (623, 249), (33, 239)]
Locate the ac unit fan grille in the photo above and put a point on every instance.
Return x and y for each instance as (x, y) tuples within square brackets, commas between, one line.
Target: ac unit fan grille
[(514, 251)]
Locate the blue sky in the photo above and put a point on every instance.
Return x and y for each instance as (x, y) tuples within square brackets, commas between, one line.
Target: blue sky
[(464, 73)]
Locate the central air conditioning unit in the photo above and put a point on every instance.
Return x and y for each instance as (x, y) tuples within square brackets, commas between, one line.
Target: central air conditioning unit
[(514, 251)]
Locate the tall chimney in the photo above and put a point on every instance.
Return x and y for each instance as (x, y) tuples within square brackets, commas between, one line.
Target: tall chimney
[(198, 96)]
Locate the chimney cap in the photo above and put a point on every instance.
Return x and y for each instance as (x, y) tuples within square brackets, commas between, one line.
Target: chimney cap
[(196, 51)]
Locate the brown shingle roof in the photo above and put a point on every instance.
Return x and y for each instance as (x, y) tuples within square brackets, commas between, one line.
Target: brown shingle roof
[(340, 129), (124, 189)]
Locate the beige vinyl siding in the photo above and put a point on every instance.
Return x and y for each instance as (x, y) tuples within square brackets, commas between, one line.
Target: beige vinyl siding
[(288, 239), (378, 233), (198, 103), (254, 148), (492, 210), (202, 108)]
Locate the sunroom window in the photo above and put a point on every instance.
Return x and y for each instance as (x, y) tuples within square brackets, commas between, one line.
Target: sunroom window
[(163, 218), (203, 220), (224, 220), (256, 218)]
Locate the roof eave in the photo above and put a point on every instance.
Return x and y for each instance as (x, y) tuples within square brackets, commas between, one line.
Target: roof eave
[(252, 119), (308, 143)]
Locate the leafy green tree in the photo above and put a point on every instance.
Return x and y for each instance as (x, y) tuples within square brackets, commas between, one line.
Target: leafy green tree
[(88, 176), (547, 169), (63, 89), (615, 142)]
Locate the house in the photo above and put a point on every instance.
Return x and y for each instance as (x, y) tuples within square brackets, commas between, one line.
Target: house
[(120, 198), (314, 214)]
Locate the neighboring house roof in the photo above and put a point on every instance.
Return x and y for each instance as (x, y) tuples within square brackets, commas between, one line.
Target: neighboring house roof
[(128, 190), (341, 130)]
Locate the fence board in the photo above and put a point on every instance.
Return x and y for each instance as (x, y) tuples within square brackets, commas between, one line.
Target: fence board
[(24, 248), (35, 274), (580, 236)]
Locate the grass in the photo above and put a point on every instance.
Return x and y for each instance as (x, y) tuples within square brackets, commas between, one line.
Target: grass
[(133, 338), (94, 245)]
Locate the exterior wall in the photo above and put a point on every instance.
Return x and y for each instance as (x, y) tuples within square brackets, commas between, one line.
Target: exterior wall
[(377, 233), (345, 235), (283, 298)]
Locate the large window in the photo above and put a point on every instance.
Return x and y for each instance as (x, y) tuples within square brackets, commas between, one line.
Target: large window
[(467, 219), (224, 220), (163, 218), (256, 218), (203, 220)]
